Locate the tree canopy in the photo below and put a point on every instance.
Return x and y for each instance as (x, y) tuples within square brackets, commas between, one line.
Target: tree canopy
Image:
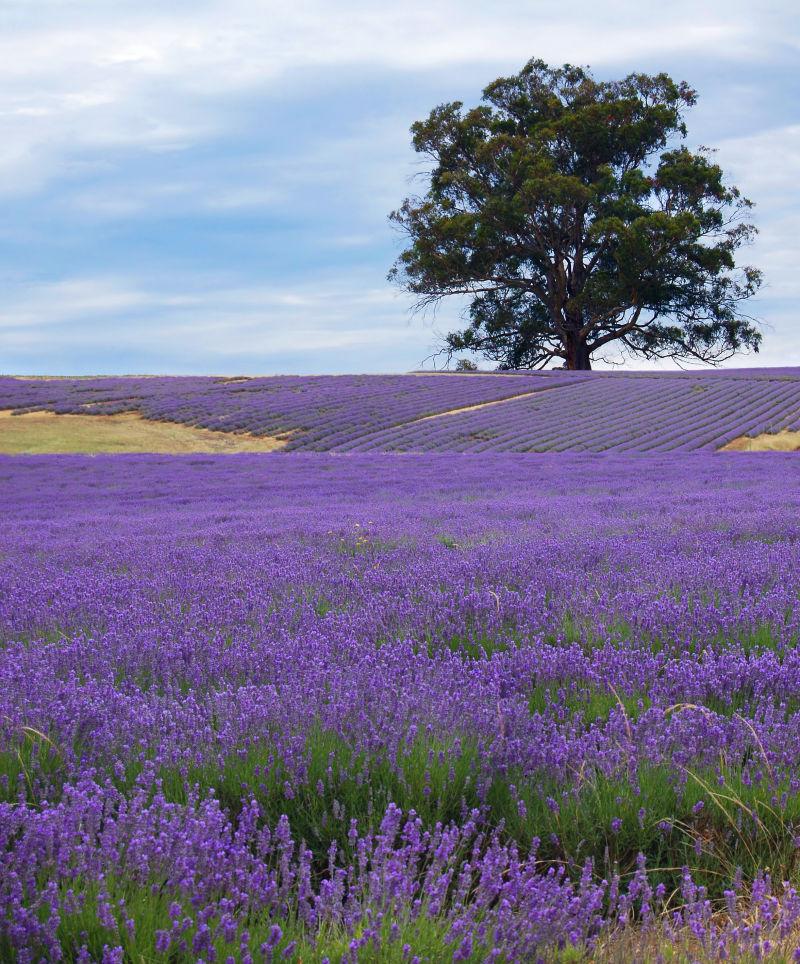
[(572, 214)]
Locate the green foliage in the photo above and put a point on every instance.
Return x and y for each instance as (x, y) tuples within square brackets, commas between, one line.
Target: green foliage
[(148, 908), (31, 767), (557, 207), (713, 820)]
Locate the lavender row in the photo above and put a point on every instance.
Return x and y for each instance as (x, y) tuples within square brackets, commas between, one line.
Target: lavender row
[(608, 414)]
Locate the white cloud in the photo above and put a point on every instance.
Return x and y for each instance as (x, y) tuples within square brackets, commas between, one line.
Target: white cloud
[(766, 163), (92, 77), (215, 325), (368, 164), (28, 306), (764, 166), (90, 89)]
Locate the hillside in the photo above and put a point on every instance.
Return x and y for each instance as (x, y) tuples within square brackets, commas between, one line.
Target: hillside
[(554, 411)]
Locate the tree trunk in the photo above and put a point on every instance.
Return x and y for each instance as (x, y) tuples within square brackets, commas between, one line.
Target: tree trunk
[(578, 358)]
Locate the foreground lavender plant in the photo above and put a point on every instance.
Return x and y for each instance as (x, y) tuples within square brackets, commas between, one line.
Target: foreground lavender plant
[(372, 708)]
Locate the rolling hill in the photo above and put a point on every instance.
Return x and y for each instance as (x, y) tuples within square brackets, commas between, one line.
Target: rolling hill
[(551, 411)]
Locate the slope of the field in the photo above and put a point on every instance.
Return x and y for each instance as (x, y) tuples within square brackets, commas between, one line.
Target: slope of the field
[(320, 412), (558, 411), (613, 413)]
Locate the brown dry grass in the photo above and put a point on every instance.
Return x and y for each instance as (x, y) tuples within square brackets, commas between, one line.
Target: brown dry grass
[(635, 946), (472, 408), (40, 433), (784, 441)]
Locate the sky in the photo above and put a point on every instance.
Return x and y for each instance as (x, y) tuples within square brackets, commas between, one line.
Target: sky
[(203, 187)]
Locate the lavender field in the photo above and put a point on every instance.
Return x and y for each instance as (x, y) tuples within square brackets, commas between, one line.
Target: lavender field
[(558, 411), (437, 707)]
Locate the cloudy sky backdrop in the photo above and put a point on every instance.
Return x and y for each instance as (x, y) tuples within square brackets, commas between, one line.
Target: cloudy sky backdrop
[(203, 186)]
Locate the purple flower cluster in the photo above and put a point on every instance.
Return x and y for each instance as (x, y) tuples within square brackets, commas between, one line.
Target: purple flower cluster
[(480, 891), (304, 706), (542, 411)]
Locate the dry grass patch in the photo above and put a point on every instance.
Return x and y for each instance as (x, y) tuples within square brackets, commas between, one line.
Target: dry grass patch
[(472, 408), (40, 433), (785, 441)]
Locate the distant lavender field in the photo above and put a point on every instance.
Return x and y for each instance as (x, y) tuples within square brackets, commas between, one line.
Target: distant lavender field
[(496, 707), (555, 411), (314, 412)]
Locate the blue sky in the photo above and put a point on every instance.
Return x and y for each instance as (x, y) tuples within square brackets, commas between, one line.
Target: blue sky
[(203, 187)]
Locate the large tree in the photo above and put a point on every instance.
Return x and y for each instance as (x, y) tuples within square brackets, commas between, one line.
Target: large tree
[(569, 211)]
